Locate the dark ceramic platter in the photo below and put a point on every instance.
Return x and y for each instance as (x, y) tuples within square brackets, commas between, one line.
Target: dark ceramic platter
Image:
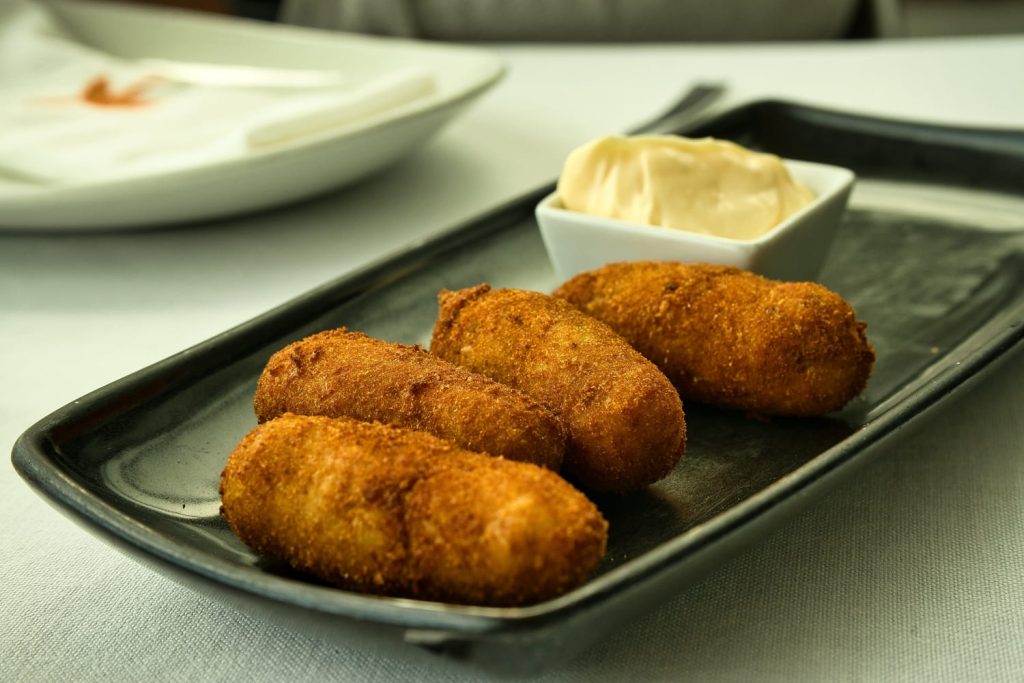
[(931, 255)]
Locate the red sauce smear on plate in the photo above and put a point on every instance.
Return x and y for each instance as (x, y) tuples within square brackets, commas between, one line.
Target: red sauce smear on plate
[(99, 93)]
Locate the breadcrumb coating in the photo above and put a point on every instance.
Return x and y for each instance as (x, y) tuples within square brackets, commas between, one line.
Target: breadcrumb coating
[(341, 373), (624, 419), (397, 512), (730, 338)]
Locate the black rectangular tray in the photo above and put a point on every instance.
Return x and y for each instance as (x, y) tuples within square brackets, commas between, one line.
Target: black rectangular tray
[(931, 255)]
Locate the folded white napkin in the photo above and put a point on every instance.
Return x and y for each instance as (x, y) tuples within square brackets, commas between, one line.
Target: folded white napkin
[(71, 114)]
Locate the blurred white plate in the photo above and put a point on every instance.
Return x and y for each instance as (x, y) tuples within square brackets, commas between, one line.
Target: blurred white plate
[(265, 178)]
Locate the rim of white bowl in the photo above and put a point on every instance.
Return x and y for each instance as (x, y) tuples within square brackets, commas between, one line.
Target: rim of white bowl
[(839, 180)]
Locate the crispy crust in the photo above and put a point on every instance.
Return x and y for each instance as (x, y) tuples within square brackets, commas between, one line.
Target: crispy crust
[(340, 373), (625, 421), (730, 338), (398, 512)]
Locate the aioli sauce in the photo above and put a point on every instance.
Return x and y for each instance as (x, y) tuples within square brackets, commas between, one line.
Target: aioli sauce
[(702, 185)]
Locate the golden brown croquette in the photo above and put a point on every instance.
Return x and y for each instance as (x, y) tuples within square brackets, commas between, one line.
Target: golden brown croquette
[(340, 373), (624, 419), (397, 512), (731, 338)]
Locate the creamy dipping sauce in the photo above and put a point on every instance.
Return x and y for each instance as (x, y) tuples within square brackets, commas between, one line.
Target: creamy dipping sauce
[(705, 185)]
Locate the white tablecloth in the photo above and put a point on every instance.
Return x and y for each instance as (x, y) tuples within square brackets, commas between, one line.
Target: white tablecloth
[(913, 570)]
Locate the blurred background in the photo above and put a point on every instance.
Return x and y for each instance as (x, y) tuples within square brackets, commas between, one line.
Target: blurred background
[(564, 20)]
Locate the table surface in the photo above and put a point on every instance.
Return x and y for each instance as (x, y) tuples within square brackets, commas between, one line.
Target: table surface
[(913, 569)]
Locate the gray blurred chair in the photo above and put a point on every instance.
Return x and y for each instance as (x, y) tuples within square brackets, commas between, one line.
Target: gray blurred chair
[(600, 20)]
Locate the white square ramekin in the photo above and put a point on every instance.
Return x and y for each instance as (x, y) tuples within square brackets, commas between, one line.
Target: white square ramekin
[(793, 250)]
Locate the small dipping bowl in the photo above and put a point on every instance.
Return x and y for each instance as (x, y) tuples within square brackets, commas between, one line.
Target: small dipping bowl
[(794, 250)]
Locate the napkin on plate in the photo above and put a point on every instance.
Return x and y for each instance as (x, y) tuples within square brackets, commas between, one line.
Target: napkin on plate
[(71, 114)]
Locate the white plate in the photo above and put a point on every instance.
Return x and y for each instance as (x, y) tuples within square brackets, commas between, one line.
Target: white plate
[(264, 178)]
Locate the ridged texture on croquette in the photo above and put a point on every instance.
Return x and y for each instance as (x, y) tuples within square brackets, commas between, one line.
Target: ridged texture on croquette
[(341, 373), (398, 512), (731, 338), (625, 421)]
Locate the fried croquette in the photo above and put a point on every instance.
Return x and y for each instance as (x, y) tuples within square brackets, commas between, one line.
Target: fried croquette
[(731, 338), (340, 373), (625, 421), (398, 512)]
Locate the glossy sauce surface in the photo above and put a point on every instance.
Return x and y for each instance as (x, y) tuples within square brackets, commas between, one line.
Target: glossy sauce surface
[(707, 186)]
